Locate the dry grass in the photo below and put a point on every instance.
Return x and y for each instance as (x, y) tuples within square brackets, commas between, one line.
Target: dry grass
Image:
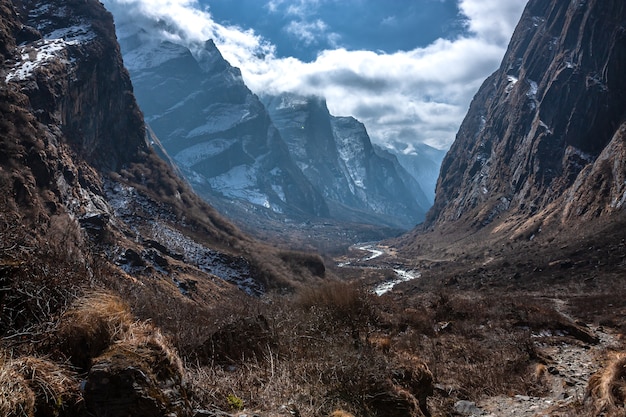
[(16, 397), (340, 413), (92, 324), (607, 388), (317, 361), (35, 386)]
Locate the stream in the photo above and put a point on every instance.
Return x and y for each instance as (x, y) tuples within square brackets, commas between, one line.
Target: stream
[(376, 251)]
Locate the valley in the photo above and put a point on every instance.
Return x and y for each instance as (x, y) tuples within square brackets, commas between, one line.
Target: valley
[(173, 244)]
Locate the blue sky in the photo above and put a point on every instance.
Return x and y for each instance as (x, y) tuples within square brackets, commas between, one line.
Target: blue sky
[(407, 69), (303, 29)]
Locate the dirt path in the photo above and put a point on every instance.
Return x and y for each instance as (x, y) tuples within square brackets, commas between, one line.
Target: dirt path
[(570, 365)]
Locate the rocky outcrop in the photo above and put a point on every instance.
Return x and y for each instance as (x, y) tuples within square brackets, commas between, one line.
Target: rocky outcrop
[(542, 137), (336, 154), (213, 127)]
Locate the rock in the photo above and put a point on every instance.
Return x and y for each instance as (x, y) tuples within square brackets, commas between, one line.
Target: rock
[(138, 377), (467, 408), (213, 127), (338, 157)]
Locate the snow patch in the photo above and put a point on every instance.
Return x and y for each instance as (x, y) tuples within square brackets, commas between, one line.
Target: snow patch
[(291, 102), (240, 182), (201, 151), (221, 117), (532, 92), (51, 48), (511, 83), (33, 57), (151, 55)]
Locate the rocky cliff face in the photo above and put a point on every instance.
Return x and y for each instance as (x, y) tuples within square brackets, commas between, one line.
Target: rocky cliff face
[(335, 153), (86, 203), (213, 127), (543, 137)]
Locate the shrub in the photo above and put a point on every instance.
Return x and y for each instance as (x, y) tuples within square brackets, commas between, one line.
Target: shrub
[(346, 302)]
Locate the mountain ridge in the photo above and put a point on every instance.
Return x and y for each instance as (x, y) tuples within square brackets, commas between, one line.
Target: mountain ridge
[(538, 125), (214, 128), (336, 154)]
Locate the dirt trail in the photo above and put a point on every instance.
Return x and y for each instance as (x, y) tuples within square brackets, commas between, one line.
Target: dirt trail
[(570, 365)]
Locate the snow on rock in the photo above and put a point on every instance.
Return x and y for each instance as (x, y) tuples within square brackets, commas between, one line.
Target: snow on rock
[(235, 270), (240, 182), (34, 56), (223, 117), (53, 48), (151, 55), (201, 151), (127, 203), (511, 83)]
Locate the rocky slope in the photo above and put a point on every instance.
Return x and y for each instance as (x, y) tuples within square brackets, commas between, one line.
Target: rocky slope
[(335, 153), (86, 204), (214, 128), (543, 140)]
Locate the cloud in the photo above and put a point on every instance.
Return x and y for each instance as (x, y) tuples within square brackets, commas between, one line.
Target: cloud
[(311, 32), (414, 96)]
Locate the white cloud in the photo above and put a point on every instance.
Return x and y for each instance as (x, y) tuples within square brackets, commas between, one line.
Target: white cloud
[(415, 96), (310, 32)]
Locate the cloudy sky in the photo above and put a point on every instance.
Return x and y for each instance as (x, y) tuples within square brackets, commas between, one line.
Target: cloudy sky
[(408, 69)]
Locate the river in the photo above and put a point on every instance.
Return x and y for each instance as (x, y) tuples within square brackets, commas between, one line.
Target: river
[(376, 251)]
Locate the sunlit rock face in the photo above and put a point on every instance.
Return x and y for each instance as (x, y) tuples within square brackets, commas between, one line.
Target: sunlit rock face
[(544, 133), (213, 127), (337, 156)]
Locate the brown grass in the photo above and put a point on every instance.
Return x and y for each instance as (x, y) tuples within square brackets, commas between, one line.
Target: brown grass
[(345, 301), (16, 397), (35, 386), (340, 413), (92, 324), (607, 388)]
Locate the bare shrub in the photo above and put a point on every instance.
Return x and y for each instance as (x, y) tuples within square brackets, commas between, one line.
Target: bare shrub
[(64, 239), (345, 301), (247, 338), (303, 261)]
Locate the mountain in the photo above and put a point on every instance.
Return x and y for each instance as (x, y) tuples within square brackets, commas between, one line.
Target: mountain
[(103, 248), (216, 131), (360, 183), (421, 161), (543, 141)]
